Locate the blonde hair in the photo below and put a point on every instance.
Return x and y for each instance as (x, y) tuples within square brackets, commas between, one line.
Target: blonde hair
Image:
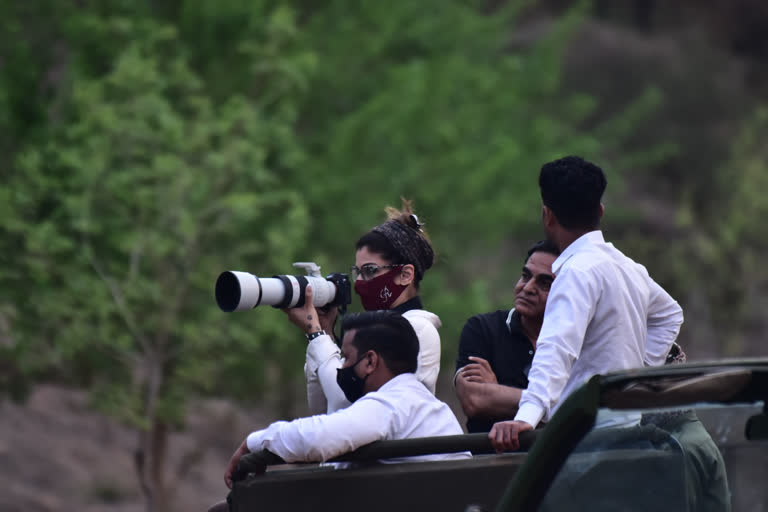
[(406, 215)]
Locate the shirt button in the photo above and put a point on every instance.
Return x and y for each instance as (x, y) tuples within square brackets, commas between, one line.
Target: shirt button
[(530, 352)]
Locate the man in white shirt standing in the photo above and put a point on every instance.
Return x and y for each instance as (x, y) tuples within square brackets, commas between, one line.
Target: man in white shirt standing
[(380, 350), (604, 313)]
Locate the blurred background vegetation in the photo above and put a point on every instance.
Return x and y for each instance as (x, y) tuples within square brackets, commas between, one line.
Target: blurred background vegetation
[(148, 145)]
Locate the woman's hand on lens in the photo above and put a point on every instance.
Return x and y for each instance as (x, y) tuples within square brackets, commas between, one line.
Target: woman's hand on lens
[(306, 317)]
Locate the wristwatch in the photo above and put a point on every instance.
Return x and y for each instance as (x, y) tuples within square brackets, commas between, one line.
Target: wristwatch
[(312, 335)]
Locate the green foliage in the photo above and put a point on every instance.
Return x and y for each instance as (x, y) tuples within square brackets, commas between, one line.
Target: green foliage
[(440, 110), (126, 215), (147, 146), (712, 261), (187, 137), (434, 108), (730, 252)]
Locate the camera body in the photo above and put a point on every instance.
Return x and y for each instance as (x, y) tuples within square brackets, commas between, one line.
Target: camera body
[(241, 291)]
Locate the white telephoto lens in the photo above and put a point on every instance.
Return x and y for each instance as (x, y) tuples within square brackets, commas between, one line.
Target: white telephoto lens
[(323, 291), (241, 291), (237, 291), (272, 291)]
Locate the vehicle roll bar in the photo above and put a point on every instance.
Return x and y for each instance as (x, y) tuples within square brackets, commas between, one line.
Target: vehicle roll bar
[(257, 462)]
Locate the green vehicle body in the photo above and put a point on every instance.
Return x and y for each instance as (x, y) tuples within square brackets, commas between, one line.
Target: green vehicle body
[(523, 481)]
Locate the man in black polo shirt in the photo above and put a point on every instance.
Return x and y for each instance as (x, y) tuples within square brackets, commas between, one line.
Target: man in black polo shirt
[(496, 349)]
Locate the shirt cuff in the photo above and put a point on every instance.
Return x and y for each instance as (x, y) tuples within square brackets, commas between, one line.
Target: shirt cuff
[(456, 375), (529, 413), (320, 350), (254, 441)]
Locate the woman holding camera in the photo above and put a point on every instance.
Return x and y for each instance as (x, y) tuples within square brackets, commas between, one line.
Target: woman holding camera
[(390, 262)]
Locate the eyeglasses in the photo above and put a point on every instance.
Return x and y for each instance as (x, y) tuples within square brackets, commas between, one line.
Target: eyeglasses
[(368, 271)]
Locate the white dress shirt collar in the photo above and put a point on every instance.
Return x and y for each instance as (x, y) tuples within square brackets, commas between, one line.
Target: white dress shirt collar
[(394, 381), (591, 238)]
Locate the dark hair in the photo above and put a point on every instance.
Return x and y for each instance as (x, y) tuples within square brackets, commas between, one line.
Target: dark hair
[(572, 188), (387, 333), (379, 244), (401, 240), (543, 246)]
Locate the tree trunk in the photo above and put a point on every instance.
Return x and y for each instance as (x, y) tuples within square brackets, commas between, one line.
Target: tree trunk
[(153, 443), (150, 461)]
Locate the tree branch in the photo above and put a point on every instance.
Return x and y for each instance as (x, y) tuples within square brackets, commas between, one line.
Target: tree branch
[(136, 253), (118, 298)]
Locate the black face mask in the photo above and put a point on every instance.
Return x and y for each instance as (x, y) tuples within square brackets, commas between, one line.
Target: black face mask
[(350, 383)]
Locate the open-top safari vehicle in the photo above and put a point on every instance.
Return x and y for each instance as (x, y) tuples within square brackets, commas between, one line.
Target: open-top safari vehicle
[(701, 443)]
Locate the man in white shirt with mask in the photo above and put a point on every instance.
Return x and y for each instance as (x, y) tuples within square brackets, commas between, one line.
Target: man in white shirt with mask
[(380, 350), (604, 313)]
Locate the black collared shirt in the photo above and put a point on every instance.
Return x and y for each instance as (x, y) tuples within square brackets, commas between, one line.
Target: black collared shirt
[(506, 348), (413, 303)]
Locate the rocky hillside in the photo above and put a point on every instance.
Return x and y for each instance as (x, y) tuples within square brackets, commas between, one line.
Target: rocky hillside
[(58, 455)]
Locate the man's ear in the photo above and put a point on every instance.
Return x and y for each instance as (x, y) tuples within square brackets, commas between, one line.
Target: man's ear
[(548, 216), (406, 276), (372, 363), (602, 209)]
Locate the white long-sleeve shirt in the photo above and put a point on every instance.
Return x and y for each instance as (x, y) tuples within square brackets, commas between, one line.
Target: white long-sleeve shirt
[(604, 313), (402, 408), (323, 359)]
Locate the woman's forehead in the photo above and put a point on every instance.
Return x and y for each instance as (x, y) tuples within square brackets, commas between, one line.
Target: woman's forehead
[(364, 256)]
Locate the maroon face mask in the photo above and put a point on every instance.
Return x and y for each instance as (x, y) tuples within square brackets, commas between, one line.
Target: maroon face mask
[(380, 292)]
